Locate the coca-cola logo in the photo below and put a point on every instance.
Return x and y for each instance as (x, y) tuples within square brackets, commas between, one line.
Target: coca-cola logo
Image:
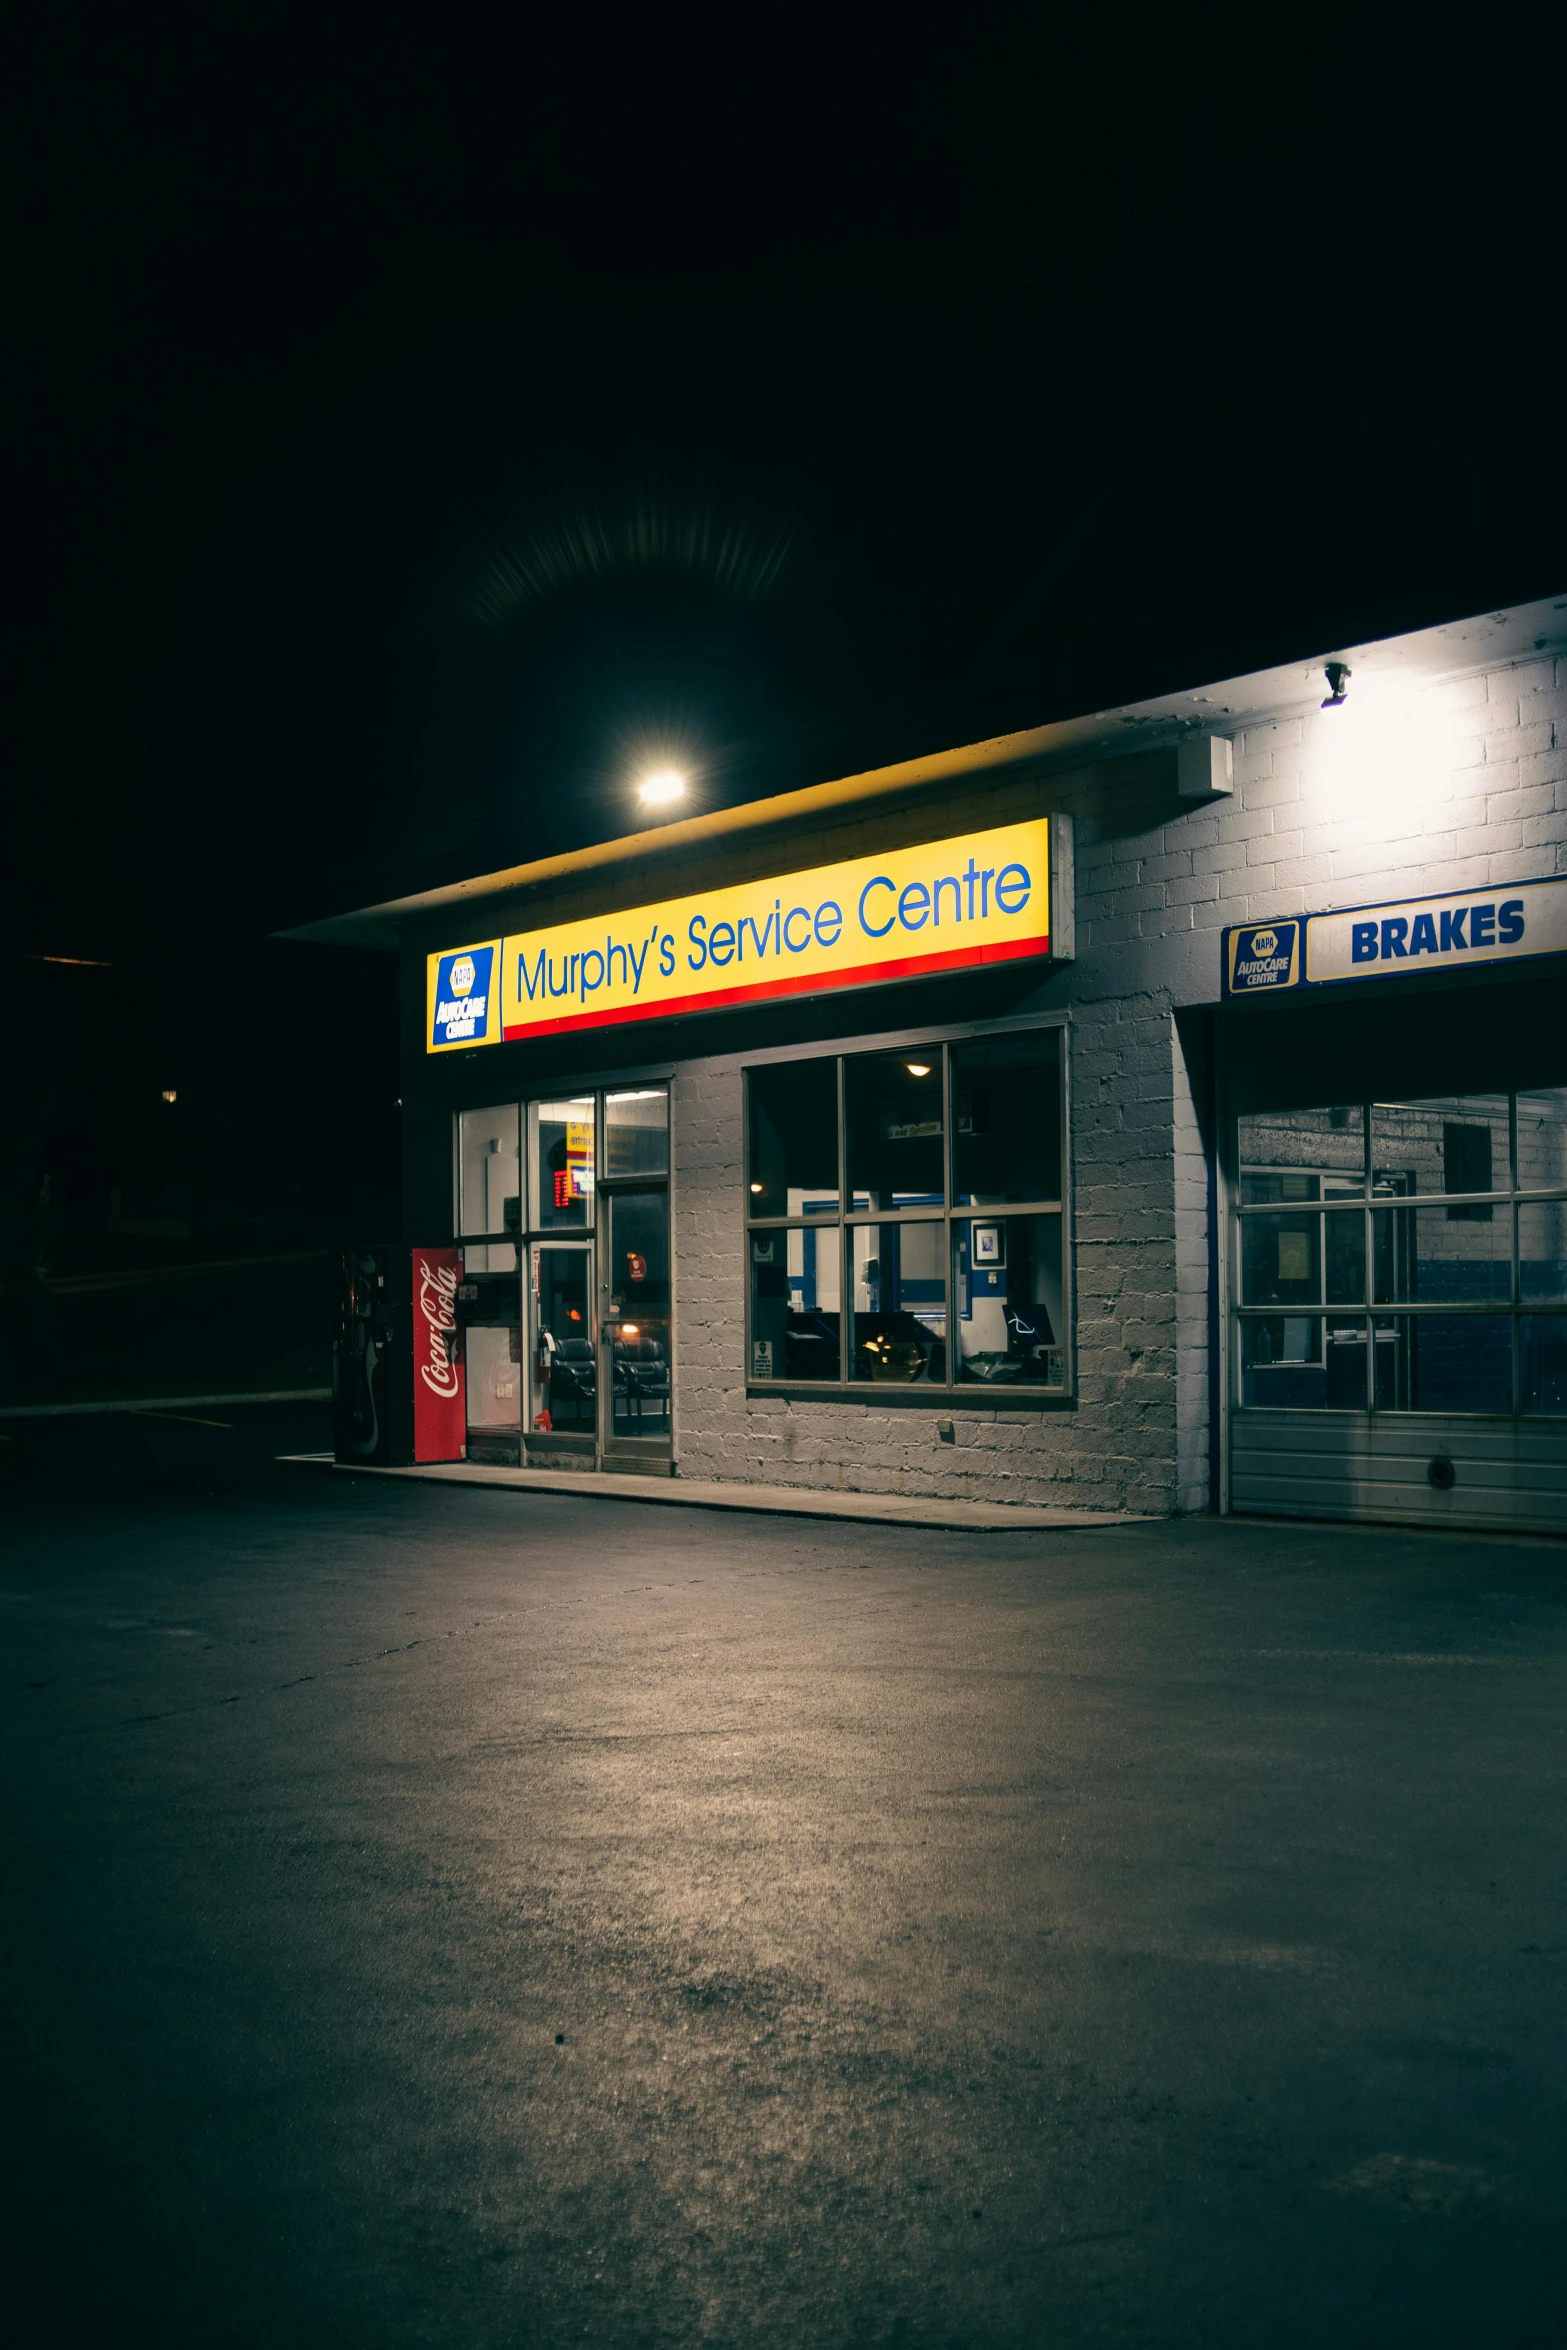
[(437, 1296)]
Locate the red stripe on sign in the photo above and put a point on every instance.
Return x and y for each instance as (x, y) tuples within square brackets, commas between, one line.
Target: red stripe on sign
[(764, 990)]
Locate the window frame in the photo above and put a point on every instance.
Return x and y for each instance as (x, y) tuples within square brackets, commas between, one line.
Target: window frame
[(965, 1395), (599, 1085), (1374, 1312)]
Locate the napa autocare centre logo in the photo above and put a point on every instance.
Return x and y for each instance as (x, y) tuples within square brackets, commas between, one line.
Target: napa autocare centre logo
[(1262, 955), (462, 997)]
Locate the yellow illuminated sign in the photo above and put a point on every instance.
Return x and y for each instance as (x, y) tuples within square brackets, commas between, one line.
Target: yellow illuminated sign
[(981, 898)]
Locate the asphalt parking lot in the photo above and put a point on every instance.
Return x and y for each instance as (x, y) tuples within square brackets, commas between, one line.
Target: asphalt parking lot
[(486, 1919)]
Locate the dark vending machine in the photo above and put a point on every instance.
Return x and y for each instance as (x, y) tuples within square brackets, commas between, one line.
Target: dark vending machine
[(398, 1384), (369, 1347)]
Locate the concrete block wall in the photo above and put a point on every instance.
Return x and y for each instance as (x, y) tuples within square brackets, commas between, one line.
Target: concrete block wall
[(1195, 1257)]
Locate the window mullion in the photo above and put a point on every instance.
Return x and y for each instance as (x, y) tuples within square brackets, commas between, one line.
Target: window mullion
[(844, 1243), (948, 1191)]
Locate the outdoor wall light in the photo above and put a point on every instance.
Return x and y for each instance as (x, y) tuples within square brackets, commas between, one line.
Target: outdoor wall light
[(168, 1094), (917, 1068), (660, 790), (1337, 675), (758, 1187)]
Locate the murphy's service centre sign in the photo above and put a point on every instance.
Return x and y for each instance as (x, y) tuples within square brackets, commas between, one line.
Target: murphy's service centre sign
[(1396, 941), (982, 898)]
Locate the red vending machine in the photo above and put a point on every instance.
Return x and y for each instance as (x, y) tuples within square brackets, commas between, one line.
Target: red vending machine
[(440, 1403), (397, 1364)]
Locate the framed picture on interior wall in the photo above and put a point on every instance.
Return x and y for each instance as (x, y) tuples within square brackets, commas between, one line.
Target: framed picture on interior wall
[(987, 1244)]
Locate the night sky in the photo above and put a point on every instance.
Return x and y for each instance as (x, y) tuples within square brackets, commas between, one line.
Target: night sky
[(413, 431)]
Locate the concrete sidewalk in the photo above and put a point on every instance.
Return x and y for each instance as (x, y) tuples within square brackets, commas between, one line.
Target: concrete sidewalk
[(774, 1501)]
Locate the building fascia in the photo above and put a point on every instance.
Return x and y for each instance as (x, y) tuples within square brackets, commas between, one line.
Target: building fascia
[(1428, 657)]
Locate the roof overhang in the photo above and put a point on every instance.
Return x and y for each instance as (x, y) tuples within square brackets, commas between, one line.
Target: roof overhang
[(1426, 656)]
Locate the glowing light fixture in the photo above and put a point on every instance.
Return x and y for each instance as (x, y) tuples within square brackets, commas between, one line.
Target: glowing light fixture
[(917, 1068), (758, 1187), (1381, 761), (169, 1094), (1337, 675), (663, 789)]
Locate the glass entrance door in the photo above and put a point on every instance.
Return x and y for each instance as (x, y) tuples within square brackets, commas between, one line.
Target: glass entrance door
[(584, 1203), (637, 1323), (564, 1366)]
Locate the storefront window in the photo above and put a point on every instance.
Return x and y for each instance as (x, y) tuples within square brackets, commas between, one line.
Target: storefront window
[(794, 1305), (892, 1105), (792, 1155), (494, 1376), (561, 1164), (935, 1295), (1006, 1117), (900, 1303), (1010, 1309), (488, 1187), (636, 1132), (1466, 1249)]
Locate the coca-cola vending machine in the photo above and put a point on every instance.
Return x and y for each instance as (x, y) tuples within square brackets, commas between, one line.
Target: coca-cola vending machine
[(397, 1364)]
